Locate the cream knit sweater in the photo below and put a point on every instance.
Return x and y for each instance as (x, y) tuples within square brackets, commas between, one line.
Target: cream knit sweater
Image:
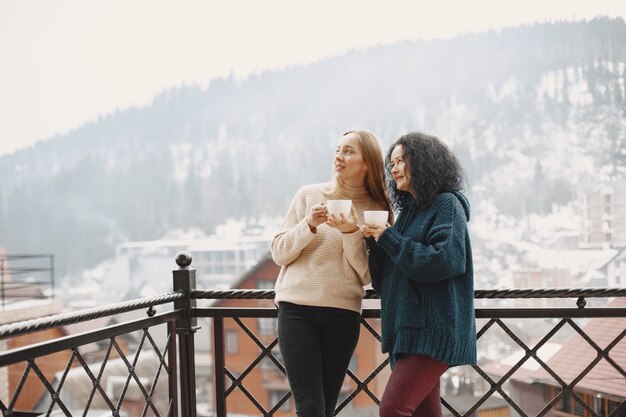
[(326, 268)]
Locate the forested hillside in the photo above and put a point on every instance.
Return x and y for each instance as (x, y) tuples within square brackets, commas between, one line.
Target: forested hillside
[(533, 112)]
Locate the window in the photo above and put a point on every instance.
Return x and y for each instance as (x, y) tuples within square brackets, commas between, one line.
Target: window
[(276, 396), (579, 409), (600, 406), (231, 341), (566, 403), (267, 326), (612, 406)]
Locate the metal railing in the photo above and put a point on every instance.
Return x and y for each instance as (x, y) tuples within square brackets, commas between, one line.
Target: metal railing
[(153, 373), (24, 277)]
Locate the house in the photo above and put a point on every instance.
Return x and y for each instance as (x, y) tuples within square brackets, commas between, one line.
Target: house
[(23, 301), (28, 303), (492, 407), (541, 278), (51, 366), (603, 388), (117, 385), (603, 208), (615, 269), (218, 260)]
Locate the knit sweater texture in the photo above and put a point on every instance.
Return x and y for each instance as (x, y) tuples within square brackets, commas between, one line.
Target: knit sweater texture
[(422, 268), (324, 268)]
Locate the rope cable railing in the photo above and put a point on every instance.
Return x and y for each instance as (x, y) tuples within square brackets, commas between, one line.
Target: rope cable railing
[(43, 323), (247, 294)]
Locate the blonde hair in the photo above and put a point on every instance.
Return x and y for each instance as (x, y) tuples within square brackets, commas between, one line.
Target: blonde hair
[(375, 176)]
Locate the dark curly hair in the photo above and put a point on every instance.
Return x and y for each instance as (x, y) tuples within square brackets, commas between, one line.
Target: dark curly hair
[(433, 168)]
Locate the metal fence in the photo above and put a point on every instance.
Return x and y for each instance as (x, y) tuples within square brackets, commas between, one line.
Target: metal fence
[(147, 366)]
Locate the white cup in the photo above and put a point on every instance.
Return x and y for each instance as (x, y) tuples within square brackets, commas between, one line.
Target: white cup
[(376, 216), (338, 207)]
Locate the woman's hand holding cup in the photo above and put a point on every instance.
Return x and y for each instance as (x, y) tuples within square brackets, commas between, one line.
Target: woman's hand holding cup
[(342, 223), (317, 215), (375, 223), (373, 230)]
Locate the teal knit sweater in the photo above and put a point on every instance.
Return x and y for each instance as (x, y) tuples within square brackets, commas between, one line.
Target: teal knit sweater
[(422, 268)]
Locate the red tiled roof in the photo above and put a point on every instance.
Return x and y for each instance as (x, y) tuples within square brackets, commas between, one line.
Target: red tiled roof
[(576, 354)]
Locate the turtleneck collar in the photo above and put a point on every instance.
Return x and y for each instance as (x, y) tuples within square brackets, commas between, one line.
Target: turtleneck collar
[(348, 191)]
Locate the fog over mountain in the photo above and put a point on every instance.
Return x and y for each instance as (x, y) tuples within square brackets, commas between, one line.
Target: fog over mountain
[(532, 112)]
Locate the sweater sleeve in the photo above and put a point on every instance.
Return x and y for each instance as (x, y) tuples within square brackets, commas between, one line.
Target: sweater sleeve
[(356, 253), (441, 257), (294, 234)]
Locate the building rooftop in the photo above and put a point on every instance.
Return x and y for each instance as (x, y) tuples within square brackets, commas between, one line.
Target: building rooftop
[(575, 356)]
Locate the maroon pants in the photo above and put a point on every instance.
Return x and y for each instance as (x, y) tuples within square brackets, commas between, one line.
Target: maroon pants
[(413, 388)]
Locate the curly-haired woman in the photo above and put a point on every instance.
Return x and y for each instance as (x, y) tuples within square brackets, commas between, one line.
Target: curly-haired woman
[(422, 268), (324, 268)]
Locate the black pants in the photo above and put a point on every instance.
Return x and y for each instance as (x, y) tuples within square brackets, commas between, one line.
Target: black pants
[(317, 344)]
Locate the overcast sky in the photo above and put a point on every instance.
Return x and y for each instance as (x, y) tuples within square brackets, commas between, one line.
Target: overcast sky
[(64, 62)]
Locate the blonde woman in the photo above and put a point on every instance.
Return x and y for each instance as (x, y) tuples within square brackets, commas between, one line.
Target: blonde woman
[(324, 267)]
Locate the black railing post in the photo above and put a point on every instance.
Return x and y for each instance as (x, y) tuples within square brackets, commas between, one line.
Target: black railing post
[(218, 366), (185, 280), (173, 364)]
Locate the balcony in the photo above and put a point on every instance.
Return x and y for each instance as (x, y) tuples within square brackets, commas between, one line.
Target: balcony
[(194, 352), (25, 277)]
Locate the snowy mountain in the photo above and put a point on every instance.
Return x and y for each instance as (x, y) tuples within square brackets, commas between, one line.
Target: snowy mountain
[(532, 112)]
